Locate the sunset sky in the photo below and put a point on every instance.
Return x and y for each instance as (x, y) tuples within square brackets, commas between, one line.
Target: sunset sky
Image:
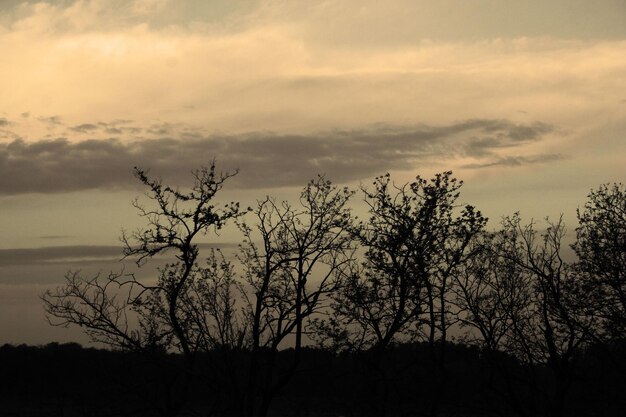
[(525, 101)]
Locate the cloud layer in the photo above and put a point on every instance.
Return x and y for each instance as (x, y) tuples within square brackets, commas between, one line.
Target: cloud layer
[(58, 255), (265, 160), (76, 255), (305, 66)]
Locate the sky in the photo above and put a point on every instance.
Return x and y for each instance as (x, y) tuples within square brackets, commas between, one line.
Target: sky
[(524, 101)]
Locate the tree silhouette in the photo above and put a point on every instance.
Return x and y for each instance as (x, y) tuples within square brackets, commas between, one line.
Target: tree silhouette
[(523, 298), (379, 296), (292, 258), (601, 249), (414, 242), (171, 314)]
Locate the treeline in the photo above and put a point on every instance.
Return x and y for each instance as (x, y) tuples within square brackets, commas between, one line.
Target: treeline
[(379, 298), (67, 380)]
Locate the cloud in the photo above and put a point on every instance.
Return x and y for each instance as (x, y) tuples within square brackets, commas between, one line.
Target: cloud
[(6, 133), (265, 159), (303, 66), (396, 22), (74, 255), (515, 161), (116, 128), (84, 128), (406, 21), (46, 255)]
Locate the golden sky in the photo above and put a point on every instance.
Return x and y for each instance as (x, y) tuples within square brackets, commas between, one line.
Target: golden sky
[(525, 101)]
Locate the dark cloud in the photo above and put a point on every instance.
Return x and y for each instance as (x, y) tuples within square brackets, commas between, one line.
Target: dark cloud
[(113, 131), (4, 122), (481, 147), (114, 128), (515, 161), (265, 159), (528, 132), (70, 255), (118, 128), (56, 254), (84, 128), (161, 129)]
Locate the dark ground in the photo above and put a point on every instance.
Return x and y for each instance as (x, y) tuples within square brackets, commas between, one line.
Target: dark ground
[(68, 380)]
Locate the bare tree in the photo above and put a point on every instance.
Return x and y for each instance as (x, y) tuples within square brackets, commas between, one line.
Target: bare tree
[(482, 287), (523, 299), (107, 314), (601, 249), (178, 218), (490, 291), (174, 312), (292, 258), (414, 241)]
